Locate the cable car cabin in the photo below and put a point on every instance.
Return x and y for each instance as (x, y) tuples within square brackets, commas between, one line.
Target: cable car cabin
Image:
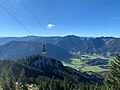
[(43, 50)]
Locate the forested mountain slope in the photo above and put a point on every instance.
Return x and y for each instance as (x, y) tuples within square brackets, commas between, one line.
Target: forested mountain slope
[(36, 66)]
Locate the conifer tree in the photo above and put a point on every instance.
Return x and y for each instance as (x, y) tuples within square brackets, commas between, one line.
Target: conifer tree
[(113, 80), (11, 79), (51, 85), (66, 83), (7, 81), (22, 80)]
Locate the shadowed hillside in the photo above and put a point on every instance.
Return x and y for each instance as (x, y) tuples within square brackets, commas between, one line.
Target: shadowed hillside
[(20, 49)]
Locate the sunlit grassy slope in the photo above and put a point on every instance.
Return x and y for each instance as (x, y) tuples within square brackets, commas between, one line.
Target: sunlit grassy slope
[(79, 63), (94, 69)]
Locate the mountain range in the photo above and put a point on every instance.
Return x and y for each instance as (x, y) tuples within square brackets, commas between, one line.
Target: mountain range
[(61, 48)]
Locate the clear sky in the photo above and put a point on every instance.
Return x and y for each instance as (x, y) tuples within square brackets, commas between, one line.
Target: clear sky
[(61, 17)]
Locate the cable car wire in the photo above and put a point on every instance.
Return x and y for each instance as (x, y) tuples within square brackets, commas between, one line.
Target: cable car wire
[(34, 16), (19, 13), (17, 20), (43, 50), (2, 6), (43, 43)]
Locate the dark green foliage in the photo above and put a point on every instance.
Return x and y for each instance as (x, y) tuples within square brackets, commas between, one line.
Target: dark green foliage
[(7, 81), (22, 78), (47, 74), (66, 84), (35, 66), (113, 80), (50, 84)]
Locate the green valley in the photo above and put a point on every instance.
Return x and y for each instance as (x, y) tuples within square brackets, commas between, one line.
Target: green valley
[(84, 63)]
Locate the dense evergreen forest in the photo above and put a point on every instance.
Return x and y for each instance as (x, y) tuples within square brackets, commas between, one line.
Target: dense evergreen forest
[(41, 73)]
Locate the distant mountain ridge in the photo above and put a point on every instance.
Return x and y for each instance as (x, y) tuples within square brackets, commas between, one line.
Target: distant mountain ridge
[(99, 45), (4, 40), (106, 46)]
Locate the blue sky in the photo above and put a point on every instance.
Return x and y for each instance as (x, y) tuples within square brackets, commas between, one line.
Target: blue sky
[(61, 17)]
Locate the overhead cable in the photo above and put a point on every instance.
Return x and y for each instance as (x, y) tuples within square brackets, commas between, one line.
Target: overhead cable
[(15, 18)]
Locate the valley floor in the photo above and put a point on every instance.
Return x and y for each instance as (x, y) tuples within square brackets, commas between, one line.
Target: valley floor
[(87, 62)]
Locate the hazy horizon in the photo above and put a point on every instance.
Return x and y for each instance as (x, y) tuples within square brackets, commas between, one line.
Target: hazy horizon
[(55, 36)]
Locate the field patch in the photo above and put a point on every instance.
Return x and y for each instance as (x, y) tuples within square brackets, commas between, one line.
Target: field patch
[(93, 69), (88, 62)]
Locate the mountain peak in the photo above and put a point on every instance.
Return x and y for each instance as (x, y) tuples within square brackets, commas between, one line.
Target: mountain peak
[(42, 62)]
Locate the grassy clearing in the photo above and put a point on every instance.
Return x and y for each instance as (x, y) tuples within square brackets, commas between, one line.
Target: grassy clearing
[(88, 56), (76, 63), (79, 63), (95, 56), (93, 69)]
